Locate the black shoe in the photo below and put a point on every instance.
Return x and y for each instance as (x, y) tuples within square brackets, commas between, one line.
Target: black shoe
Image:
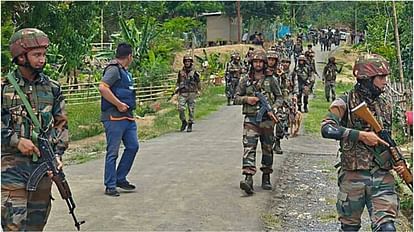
[(306, 108), (183, 125), (190, 127), (247, 184), (266, 185), (125, 186), (276, 147), (112, 192)]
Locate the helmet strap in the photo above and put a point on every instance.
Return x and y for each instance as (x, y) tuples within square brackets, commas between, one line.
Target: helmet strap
[(27, 64), (368, 89)]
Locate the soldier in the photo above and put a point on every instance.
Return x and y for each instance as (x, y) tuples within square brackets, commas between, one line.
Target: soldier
[(256, 83), (322, 40), (188, 85), (302, 73), (364, 176), (233, 70), (286, 84), (329, 77), (288, 45), (297, 50), (310, 60), (22, 210)]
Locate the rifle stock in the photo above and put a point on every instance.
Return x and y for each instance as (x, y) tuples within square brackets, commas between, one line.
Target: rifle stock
[(363, 112)]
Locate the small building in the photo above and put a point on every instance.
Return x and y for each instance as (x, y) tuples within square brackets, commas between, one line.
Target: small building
[(221, 28)]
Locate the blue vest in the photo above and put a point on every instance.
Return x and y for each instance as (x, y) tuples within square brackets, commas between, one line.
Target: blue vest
[(123, 89)]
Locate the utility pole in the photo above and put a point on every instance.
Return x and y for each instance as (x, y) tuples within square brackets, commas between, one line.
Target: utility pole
[(102, 29), (397, 42), (238, 22)]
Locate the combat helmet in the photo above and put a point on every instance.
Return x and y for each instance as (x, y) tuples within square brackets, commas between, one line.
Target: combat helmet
[(187, 57), (27, 39), (370, 65), (331, 59), (259, 55), (272, 54), (302, 57)]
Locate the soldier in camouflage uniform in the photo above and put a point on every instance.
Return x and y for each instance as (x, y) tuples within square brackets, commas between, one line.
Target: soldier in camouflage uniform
[(297, 50), (274, 68), (364, 176), (20, 209), (257, 81), (233, 73), (310, 60), (302, 74), (188, 85), (329, 77), (288, 43)]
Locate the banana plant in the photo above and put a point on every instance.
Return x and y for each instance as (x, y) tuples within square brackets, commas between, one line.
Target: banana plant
[(138, 38)]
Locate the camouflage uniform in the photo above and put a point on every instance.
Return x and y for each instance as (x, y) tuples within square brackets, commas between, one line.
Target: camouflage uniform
[(281, 110), (188, 84), (297, 50), (233, 71), (363, 177), (20, 209), (302, 73), (310, 60), (253, 131), (329, 77)]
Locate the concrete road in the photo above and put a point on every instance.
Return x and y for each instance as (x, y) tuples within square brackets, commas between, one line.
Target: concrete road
[(185, 181)]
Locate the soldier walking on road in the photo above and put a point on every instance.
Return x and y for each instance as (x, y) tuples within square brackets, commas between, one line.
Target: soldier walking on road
[(188, 85), (297, 50), (329, 77), (310, 60), (255, 84), (302, 73), (364, 176), (233, 74), (22, 210)]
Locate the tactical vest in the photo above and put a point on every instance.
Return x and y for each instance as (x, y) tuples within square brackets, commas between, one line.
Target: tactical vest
[(330, 73), (41, 94), (123, 89), (188, 81), (234, 70), (263, 86), (303, 74), (357, 155)]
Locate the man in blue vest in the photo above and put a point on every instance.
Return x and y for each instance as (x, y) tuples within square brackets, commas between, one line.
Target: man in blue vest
[(117, 106)]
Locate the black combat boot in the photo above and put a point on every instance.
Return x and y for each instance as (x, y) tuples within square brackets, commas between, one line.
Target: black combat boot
[(183, 125), (327, 99), (247, 184), (306, 108), (190, 127), (276, 147), (266, 185), (228, 101)]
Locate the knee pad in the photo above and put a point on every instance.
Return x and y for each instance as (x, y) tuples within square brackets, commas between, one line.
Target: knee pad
[(387, 226), (345, 227)]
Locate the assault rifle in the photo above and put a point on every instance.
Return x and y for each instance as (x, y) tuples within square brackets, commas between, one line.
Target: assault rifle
[(265, 107), (50, 164), (364, 113)]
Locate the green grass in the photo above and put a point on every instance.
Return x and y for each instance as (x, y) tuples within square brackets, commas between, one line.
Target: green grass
[(84, 120), (318, 107), (211, 100), (271, 221)]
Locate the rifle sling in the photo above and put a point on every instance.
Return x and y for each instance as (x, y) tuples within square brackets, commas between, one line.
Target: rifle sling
[(27, 105)]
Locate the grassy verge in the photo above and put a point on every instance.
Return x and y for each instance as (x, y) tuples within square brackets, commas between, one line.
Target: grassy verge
[(318, 107), (84, 120)]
